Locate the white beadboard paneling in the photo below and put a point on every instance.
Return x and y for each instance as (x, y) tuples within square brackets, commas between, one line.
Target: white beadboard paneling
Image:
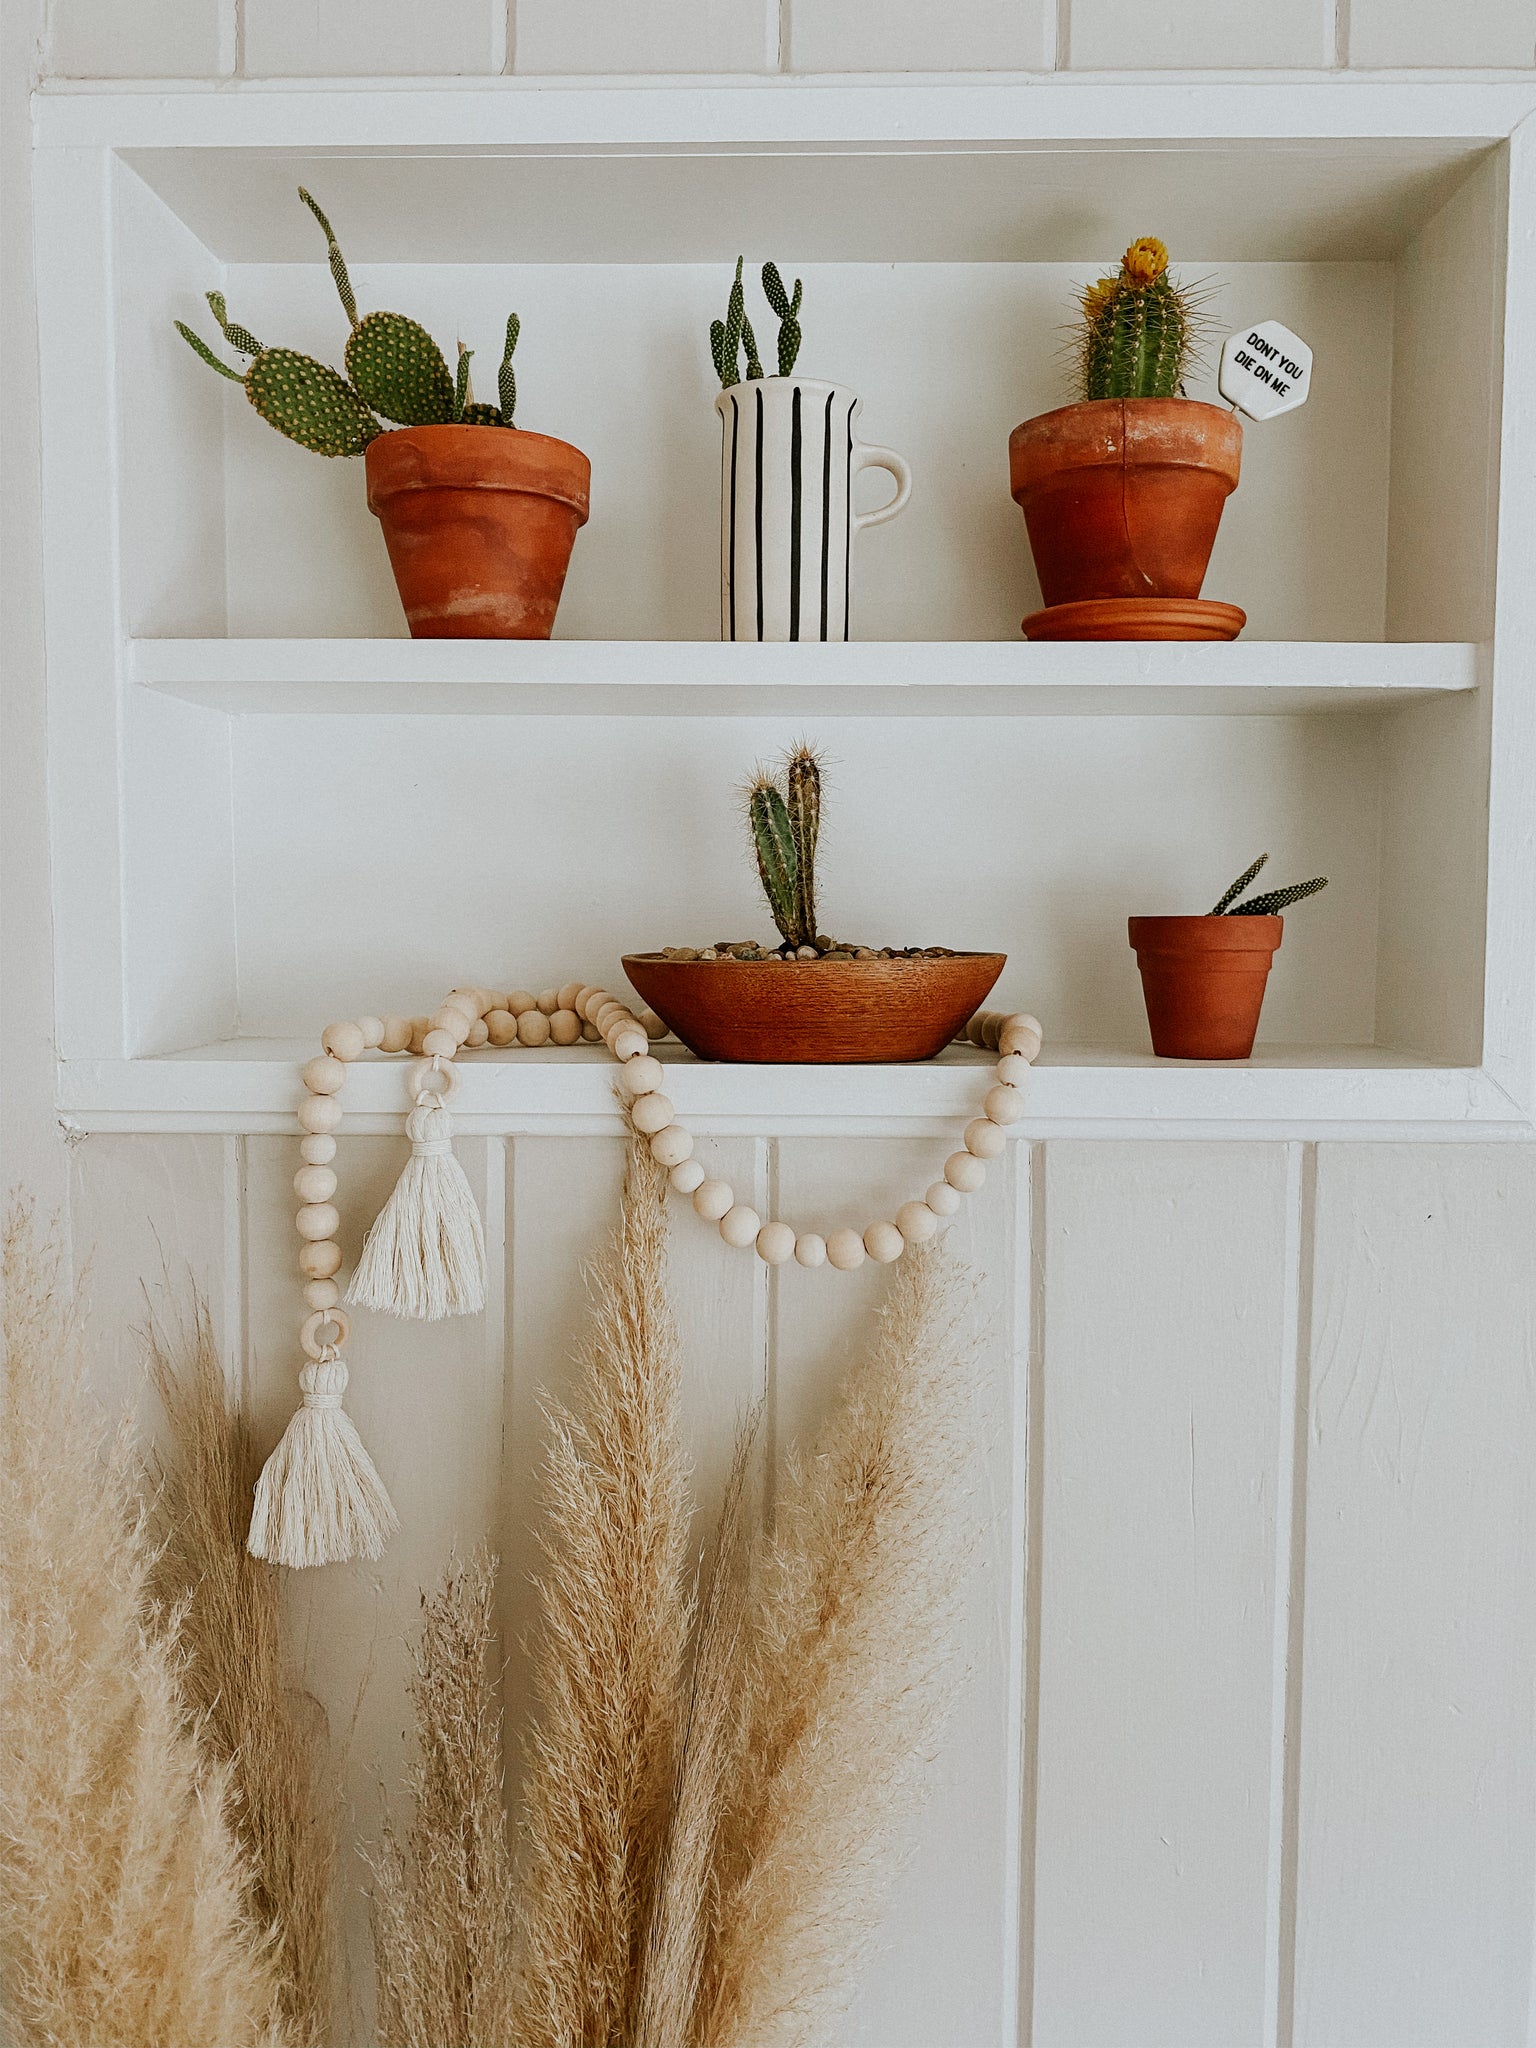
[(1196, 35), (1394, 33), (426, 1398), (942, 1979), (1417, 1847), (373, 38), (646, 36), (145, 39), (912, 35), (1163, 1370), (143, 1211)]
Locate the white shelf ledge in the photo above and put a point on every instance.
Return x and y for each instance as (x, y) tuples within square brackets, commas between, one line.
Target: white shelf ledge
[(252, 1085), (667, 678)]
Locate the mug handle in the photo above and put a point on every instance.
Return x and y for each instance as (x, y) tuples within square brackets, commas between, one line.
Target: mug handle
[(867, 456)]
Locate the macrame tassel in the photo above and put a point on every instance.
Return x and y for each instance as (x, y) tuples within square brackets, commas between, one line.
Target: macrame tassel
[(425, 1255), (319, 1500)]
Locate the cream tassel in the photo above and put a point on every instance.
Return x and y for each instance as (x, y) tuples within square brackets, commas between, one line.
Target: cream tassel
[(425, 1255), (319, 1499)]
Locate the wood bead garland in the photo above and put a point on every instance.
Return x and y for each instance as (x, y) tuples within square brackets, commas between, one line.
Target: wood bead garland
[(319, 1499)]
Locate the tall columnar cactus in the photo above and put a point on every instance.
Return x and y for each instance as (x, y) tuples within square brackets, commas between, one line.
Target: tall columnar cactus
[(784, 813), (394, 371), (1269, 904), (727, 337), (1140, 328)]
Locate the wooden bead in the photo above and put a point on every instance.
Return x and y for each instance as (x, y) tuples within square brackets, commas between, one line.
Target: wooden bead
[(712, 1198), (533, 1028), (942, 1199), (477, 1034), (687, 1177), (652, 1025), (591, 1034), (1013, 1069), (884, 1243), (501, 1027), (519, 1002), (549, 1001), (317, 1220), (810, 1249), (609, 1015), (314, 1184), (440, 1044), (372, 1029), (650, 1113), (965, 1172), (991, 1026), (321, 1293), (983, 1139), (568, 992), (319, 1113), (452, 1022), (845, 1250), (565, 1026), (322, 1076), (975, 1030), (1021, 1034), (739, 1226), (671, 1145), (916, 1222), (320, 1259), (474, 1002), (629, 1042), (344, 1041), (587, 996), (642, 1076), (397, 1034), (317, 1148), (775, 1244), (1002, 1104)]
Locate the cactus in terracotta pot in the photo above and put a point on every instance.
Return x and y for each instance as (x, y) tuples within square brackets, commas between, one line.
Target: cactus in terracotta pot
[(1139, 330)]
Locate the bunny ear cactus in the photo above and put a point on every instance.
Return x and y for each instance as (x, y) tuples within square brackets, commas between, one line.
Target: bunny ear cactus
[(506, 382), (394, 369), (788, 310), (1139, 328), (1268, 905), (727, 336)]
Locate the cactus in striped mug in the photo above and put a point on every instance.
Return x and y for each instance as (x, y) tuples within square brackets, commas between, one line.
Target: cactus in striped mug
[(727, 337)]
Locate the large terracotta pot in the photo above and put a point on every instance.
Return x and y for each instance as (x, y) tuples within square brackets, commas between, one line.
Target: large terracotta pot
[(1122, 496), (790, 1012), (479, 523), (1203, 979)]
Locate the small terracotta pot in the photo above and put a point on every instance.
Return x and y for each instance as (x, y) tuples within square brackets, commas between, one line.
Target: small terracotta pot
[(832, 1012), (479, 523), (1203, 979), (1122, 496)]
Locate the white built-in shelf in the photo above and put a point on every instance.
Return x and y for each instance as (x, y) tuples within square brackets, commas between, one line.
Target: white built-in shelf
[(252, 1085), (916, 679)]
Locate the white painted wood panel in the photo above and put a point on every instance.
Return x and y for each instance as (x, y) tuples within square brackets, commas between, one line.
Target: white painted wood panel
[(1417, 1835), (1163, 1379)]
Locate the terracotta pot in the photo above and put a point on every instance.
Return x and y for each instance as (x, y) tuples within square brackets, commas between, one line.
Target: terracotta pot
[(479, 523), (789, 1012), (1203, 979), (1122, 496)]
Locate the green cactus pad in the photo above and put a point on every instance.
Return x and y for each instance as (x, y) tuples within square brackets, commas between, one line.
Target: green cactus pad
[(309, 403), (483, 416), (506, 382), (461, 396), (196, 343), (1229, 896), (337, 261), (399, 370), (1279, 899), (238, 337), (754, 360), (789, 343)]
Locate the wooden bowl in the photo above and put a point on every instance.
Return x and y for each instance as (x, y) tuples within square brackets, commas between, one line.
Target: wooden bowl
[(831, 1012)]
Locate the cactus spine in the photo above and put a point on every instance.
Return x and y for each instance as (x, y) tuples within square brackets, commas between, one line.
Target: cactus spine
[(727, 336), (393, 365), (1268, 905), (1139, 328)]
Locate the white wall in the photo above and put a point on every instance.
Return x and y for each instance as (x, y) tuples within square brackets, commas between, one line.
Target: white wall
[(1274, 1641)]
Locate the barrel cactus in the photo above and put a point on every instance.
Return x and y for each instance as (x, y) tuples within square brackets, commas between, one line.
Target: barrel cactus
[(394, 371), (1271, 902), (727, 337), (1140, 328)]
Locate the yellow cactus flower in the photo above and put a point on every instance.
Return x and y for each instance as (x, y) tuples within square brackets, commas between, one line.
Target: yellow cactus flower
[(1098, 295), (1144, 261)]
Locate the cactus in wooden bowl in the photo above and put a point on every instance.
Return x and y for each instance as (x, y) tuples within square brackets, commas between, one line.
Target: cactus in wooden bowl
[(479, 524), (810, 998), (1204, 977)]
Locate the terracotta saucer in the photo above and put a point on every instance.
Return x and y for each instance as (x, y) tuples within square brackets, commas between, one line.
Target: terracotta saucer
[(1137, 618)]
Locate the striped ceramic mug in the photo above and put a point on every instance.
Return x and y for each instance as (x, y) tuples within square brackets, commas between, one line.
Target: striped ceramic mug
[(787, 464)]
